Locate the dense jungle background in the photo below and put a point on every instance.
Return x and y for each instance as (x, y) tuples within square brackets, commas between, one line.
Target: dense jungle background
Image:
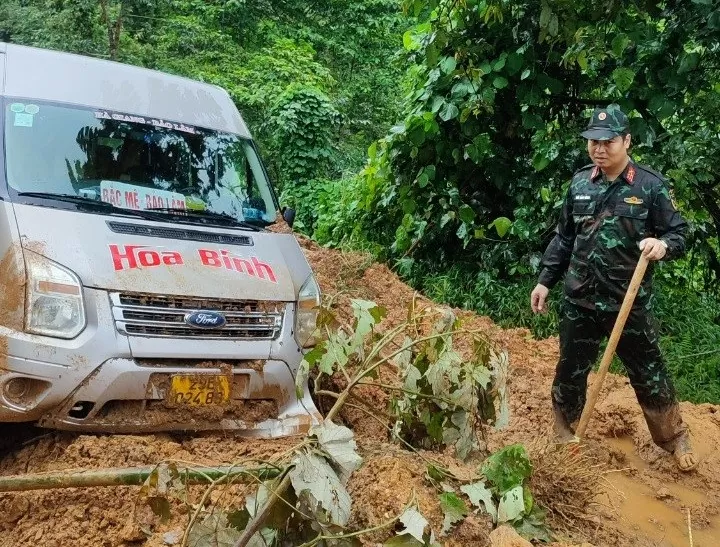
[(441, 135)]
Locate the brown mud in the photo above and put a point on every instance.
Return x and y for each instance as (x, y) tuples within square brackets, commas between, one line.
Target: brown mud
[(12, 295), (642, 500)]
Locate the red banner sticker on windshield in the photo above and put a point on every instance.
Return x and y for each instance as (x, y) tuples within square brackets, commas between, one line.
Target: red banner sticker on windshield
[(129, 196)]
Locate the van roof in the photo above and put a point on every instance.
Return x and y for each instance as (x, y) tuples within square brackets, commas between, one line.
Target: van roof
[(46, 75)]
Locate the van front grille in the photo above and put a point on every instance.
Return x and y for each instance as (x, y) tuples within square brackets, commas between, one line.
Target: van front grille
[(152, 315), (178, 233)]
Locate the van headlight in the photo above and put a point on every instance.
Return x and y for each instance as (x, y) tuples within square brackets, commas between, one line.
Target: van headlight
[(306, 315), (54, 299)]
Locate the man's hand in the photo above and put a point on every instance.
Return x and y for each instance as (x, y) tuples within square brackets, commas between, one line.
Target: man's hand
[(538, 297), (652, 248)]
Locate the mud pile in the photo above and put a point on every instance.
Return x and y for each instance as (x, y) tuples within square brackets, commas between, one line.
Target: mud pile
[(643, 500)]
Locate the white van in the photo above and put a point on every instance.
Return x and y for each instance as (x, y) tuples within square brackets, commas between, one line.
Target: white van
[(143, 288)]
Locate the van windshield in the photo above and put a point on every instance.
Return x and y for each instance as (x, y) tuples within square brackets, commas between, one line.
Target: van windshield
[(134, 162)]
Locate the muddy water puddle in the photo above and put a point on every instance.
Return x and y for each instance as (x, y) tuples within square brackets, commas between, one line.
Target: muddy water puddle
[(660, 515)]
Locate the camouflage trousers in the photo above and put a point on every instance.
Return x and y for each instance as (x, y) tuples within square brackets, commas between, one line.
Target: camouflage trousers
[(581, 331)]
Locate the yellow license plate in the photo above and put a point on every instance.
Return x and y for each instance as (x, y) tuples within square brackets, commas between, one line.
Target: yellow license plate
[(199, 390)]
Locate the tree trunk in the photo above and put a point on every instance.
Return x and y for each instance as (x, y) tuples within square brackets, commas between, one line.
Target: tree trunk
[(114, 29)]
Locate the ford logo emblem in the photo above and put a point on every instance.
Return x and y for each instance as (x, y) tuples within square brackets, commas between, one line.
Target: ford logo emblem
[(205, 319)]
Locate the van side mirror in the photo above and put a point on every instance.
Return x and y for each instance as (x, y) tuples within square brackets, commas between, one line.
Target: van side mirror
[(288, 214)]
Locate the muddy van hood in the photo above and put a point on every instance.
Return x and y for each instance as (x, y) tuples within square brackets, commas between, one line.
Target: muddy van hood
[(121, 253)]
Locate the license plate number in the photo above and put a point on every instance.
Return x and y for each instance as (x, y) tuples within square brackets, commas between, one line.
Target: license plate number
[(199, 390)]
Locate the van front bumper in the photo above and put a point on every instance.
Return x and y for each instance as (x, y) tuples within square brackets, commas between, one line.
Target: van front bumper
[(123, 396), (105, 381)]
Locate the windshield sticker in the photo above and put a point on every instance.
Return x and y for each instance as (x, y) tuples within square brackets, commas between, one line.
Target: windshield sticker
[(17, 107), (105, 115), (23, 120), (32, 109), (131, 257), (129, 196)]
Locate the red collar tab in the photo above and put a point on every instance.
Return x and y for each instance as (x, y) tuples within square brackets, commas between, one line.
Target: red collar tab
[(629, 173), (595, 173)]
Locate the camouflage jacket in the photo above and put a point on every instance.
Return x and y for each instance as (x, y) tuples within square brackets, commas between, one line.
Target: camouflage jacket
[(601, 224)]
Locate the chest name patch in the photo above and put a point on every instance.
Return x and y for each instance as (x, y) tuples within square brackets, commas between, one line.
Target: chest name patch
[(582, 197)]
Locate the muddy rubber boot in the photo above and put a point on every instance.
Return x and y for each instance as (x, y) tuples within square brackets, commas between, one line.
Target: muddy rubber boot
[(564, 431)]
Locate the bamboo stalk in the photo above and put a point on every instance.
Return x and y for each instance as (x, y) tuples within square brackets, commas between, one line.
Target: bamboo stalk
[(128, 476)]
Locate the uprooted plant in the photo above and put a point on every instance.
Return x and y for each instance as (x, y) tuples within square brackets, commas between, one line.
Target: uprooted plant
[(442, 397)]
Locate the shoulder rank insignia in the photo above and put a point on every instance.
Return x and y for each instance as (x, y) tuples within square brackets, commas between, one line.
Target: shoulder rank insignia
[(633, 200)]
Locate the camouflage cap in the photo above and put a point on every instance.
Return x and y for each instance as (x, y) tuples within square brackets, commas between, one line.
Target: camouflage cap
[(606, 123)]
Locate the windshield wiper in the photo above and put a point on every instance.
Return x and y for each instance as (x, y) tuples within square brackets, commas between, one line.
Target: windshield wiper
[(71, 198), (96, 204), (205, 214)]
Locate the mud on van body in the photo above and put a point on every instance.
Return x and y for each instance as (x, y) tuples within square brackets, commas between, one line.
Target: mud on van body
[(141, 287)]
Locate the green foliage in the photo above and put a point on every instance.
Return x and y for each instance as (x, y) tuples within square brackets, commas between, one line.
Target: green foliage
[(507, 499), (302, 122), (508, 472), (446, 398), (508, 468), (690, 337), (497, 95)]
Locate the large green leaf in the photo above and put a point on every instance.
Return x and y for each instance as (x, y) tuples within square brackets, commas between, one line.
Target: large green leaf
[(502, 225), (540, 161), (367, 315), (507, 468), (500, 82), (623, 78), (466, 213), (339, 442), (688, 62), (448, 64), (619, 43), (511, 505), (453, 508), (314, 479), (449, 112)]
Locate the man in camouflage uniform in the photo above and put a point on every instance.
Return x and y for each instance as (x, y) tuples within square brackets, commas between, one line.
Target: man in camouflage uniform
[(614, 210)]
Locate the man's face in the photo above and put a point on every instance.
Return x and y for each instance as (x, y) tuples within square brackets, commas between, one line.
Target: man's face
[(610, 153)]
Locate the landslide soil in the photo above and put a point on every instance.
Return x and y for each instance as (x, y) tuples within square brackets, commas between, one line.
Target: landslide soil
[(641, 500)]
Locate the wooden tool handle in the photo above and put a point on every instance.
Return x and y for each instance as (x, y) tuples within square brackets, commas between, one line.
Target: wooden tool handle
[(612, 344)]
